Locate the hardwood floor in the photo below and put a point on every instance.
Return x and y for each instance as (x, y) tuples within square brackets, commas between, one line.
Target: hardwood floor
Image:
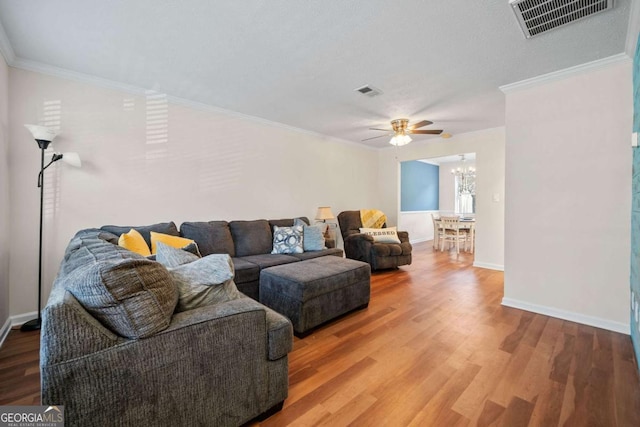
[(434, 348)]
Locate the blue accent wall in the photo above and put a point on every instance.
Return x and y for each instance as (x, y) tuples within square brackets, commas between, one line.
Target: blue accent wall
[(420, 186), (635, 213)]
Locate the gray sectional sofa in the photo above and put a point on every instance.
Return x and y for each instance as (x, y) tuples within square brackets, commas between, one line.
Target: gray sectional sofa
[(114, 352), (125, 358), (249, 243)]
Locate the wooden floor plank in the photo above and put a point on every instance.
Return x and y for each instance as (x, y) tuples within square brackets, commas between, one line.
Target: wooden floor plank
[(434, 347)]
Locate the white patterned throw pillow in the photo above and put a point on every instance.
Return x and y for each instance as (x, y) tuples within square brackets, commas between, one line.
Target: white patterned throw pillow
[(382, 235), (287, 240)]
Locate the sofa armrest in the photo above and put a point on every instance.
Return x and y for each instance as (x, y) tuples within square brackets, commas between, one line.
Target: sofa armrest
[(209, 367), (358, 246), (403, 236), (69, 331), (359, 236), (279, 329)]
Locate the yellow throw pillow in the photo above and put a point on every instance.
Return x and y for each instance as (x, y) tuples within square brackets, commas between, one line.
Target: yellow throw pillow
[(134, 242), (167, 239)]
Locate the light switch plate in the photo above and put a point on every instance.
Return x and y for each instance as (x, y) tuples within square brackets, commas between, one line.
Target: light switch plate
[(634, 139), (496, 197)]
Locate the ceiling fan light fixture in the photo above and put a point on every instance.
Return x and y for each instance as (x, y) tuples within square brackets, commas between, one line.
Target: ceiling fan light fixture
[(400, 140)]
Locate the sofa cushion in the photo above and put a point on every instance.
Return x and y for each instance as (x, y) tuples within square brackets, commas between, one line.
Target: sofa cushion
[(251, 237), (206, 281), (287, 240), (213, 237), (269, 260), (245, 271), (163, 227), (128, 294), (317, 254)]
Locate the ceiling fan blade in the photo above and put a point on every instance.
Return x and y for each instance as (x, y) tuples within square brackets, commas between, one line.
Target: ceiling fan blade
[(420, 124), (426, 132), (386, 130), (377, 137)]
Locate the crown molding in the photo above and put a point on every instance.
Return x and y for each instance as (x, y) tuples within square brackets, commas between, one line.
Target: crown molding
[(565, 73), (51, 70), (5, 47), (633, 29)]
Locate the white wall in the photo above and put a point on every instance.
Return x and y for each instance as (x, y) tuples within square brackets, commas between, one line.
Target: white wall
[(569, 197), (419, 224), (213, 166), (489, 148), (4, 193)]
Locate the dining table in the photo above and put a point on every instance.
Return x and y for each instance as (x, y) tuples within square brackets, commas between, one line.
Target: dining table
[(466, 223)]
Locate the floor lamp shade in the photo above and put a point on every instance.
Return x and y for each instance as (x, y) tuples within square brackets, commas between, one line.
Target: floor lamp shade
[(43, 136), (42, 133), (72, 159)]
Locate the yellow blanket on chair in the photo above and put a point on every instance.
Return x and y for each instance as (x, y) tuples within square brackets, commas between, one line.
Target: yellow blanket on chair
[(372, 218)]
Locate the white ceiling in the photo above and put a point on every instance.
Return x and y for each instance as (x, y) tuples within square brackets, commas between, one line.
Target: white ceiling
[(298, 62)]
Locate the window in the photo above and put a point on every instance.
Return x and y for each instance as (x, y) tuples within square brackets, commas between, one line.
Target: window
[(465, 193)]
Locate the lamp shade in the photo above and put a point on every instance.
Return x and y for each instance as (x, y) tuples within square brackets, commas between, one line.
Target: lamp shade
[(72, 159), (324, 213), (42, 133)]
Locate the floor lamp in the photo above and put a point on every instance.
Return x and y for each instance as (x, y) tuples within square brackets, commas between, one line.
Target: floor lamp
[(43, 136)]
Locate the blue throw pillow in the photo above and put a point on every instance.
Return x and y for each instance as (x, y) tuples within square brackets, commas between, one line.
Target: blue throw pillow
[(313, 237)]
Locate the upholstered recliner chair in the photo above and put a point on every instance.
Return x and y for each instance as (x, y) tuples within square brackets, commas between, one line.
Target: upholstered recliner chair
[(362, 247)]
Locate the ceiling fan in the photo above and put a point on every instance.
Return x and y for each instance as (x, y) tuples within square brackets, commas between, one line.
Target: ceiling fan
[(401, 130)]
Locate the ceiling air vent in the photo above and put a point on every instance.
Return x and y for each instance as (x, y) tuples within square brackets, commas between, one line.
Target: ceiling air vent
[(369, 90), (539, 16)]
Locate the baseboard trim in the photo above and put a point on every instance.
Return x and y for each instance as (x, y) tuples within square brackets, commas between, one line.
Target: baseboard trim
[(413, 242), (488, 265), (19, 319), (5, 331), (568, 315)]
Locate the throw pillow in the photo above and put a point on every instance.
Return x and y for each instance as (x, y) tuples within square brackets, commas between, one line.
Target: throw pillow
[(175, 241), (134, 241), (162, 227), (287, 240), (313, 237), (134, 298), (300, 221), (382, 235), (205, 281), (172, 257)]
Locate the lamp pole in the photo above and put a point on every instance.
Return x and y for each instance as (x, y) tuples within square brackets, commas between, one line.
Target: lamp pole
[(34, 325)]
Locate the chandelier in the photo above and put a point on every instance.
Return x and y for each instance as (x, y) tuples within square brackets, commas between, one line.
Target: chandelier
[(466, 178)]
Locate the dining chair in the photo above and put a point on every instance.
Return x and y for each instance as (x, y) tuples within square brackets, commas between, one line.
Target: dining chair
[(452, 232), (437, 232)]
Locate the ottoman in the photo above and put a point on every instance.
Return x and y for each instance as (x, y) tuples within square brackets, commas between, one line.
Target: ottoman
[(315, 291)]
